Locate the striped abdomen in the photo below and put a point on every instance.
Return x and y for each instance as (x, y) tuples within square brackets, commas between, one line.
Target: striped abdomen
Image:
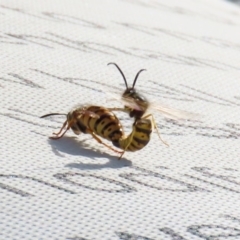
[(139, 137), (106, 126)]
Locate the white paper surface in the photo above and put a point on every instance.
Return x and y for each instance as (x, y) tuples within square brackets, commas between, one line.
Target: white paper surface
[(54, 55)]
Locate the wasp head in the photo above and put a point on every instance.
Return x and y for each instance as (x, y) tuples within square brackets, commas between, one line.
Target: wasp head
[(137, 103)]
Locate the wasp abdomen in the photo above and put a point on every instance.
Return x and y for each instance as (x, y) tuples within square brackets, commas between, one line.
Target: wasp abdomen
[(138, 138)]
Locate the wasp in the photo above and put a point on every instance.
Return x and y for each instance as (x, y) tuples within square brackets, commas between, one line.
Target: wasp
[(93, 120), (100, 121), (137, 105)]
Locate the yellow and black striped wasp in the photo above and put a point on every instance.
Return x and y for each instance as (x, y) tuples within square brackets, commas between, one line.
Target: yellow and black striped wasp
[(93, 120), (100, 121), (137, 106)]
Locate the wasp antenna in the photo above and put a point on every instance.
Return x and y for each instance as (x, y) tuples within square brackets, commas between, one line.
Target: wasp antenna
[(51, 114), (134, 82), (120, 72)]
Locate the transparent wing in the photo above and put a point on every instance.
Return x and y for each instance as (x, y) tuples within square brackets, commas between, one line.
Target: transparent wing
[(166, 111), (81, 110), (174, 113), (91, 114), (124, 101)]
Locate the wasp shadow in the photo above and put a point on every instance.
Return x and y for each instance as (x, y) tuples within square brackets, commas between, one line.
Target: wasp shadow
[(80, 147)]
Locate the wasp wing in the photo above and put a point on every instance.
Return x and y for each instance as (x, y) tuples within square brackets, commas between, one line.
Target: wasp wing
[(173, 113), (91, 114), (166, 111), (82, 109), (126, 101)]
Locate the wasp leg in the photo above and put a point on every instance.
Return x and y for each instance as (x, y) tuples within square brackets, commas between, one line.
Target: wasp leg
[(121, 155), (101, 142), (57, 135), (65, 123), (129, 142), (155, 126)]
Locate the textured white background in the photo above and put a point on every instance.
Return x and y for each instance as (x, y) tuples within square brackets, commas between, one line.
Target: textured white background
[(54, 55)]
